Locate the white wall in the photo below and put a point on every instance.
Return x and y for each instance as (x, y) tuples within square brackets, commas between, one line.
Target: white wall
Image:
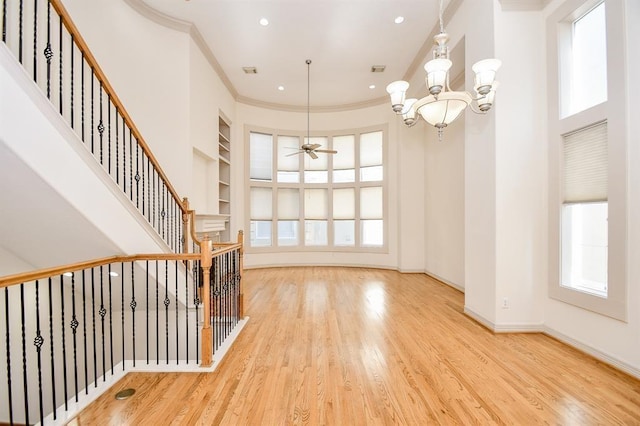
[(521, 178)]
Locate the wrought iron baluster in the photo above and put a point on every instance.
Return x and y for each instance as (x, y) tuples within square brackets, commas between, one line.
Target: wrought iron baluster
[(131, 167), (157, 316), (84, 332), (4, 21), (133, 305), (167, 302), (64, 346), (20, 28), (101, 127), (48, 52), (24, 351), (109, 133), (153, 176), (6, 318), (110, 320), (72, 84), (35, 41), (93, 132), (175, 265), (93, 325), (103, 312), (117, 146), (137, 178), (122, 310), (74, 329), (82, 96), (60, 57), (53, 370)]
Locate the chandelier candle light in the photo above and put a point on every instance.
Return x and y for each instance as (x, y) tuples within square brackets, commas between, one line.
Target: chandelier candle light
[(443, 105)]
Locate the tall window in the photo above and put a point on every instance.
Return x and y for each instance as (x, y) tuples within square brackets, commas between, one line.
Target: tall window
[(586, 62), (587, 157), (585, 210), (335, 201)]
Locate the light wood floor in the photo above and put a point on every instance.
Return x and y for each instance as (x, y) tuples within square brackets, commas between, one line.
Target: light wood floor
[(339, 346)]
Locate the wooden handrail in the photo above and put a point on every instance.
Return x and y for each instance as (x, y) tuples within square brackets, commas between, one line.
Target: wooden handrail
[(93, 63), (24, 277)]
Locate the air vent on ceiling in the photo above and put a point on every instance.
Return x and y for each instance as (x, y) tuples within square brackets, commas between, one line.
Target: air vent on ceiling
[(250, 70), (378, 68)]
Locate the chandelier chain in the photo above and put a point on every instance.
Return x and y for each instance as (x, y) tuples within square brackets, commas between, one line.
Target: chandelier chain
[(440, 16)]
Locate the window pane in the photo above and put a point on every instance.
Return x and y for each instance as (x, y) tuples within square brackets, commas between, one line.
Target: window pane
[(589, 60), (260, 156), (345, 158), (320, 163), (316, 176), (288, 177), (371, 174), (344, 176), (288, 204), (344, 203), (372, 232), (287, 232), (344, 233), (261, 204), (315, 233), (315, 204), (371, 203), (371, 149), (584, 247), (260, 233), (288, 145)]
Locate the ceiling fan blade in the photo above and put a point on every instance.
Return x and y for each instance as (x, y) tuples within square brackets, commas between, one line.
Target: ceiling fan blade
[(312, 154), (295, 153), (327, 151), (314, 146)]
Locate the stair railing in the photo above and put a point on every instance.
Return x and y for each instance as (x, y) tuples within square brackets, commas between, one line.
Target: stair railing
[(44, 39), (69, 330)]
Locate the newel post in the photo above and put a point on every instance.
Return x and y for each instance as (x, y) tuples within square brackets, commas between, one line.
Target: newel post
[(241, 272), (207, 332)]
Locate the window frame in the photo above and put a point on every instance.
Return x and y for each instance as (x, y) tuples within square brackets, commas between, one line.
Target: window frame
[(613, 110), (358, 247)]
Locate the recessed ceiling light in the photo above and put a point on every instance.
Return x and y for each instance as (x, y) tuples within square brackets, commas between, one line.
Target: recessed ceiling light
[(250, 70), (373, 86), (281, 88), (264, 22), (399, 20)]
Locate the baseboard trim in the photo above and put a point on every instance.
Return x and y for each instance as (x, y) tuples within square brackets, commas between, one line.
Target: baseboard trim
[(569, 341), (591, 351), (444, 281)]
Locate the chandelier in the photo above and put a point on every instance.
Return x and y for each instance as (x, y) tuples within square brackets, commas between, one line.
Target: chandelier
[(443, 105)]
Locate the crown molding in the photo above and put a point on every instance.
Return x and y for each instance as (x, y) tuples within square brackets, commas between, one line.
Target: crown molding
[(185, 27), (315, 109), (523, 5)]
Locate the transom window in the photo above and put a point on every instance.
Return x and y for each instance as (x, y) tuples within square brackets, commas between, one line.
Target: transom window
[(334, 201)]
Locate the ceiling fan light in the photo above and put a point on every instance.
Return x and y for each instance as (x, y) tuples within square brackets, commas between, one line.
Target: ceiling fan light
[(397, 90), (437, 70), (485, 74)]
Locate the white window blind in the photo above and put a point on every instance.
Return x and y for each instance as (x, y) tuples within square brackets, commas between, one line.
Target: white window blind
[(315, 204), (585, 164), (371, 203), (371, 149), (261, 157), (288, 204), (261, 204), (288, 145), (344, 203), (345, 158)]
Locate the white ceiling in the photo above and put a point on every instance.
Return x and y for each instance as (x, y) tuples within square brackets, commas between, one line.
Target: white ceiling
[(343, 38)]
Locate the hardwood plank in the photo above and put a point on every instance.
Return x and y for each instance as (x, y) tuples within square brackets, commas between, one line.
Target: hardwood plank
[(372, 347)]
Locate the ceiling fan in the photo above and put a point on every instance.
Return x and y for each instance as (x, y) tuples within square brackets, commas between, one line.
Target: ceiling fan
[(311, 148)]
